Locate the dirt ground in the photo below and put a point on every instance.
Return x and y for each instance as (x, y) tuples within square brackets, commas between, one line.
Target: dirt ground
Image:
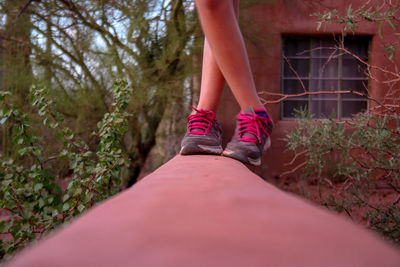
[(310, 190)]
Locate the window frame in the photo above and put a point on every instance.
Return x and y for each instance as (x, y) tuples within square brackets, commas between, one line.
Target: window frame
[(339, 79)]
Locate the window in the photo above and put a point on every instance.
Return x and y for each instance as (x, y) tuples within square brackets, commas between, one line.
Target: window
[(312, 64)]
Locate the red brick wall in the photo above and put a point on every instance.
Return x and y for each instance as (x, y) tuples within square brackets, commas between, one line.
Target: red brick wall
[(263, 26)]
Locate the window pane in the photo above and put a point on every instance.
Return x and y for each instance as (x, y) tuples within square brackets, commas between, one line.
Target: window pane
[(352, 107), (355, 85), (301, 66), (294, 86), (324, 85), (325, 68), (291, 105), (296, 47), (352, 68), (324, 108), (357, 46), (324, 48)]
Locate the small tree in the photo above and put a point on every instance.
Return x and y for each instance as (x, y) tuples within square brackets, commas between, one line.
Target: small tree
[(78, 47)]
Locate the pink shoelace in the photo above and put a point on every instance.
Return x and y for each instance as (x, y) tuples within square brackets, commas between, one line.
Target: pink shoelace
[(250, 123), (201, 122)]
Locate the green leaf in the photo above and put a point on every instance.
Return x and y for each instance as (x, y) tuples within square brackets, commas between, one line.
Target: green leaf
[(319, 24), (390, 23), (65, 197), (6, 183), (391, 56), (3, 226), (349, 10), (65, 207), (69, 137), (54, 213), (53, 125), (119, 120), (59, 135), (87, 154), (41, 203), (81, 208), (78, 191), (38, 187)]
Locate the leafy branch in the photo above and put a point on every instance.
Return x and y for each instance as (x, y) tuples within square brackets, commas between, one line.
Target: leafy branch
[(31, 192)]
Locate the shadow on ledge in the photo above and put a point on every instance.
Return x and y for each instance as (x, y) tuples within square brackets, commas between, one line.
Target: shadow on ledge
[(208, 211)]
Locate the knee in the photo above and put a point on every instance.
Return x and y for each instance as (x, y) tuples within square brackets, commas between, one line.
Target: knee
[(211, 5)]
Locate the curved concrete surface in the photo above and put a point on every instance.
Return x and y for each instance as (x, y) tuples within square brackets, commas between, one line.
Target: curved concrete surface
[(208, 211)]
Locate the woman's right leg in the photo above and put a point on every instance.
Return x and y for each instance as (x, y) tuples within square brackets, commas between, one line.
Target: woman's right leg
[(212, 81)]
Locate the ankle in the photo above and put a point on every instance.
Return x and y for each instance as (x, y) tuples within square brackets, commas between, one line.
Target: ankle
[(259, 111), (206, 108), (254, 106)]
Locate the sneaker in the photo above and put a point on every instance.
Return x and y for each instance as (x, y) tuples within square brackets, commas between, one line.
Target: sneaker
[(251, 137), (204, 134)]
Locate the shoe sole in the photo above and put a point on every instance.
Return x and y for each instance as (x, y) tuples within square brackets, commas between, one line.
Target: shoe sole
[(240, 155), (193, 149)]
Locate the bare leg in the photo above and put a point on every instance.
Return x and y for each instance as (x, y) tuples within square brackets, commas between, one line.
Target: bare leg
[(212, 80), (221, 28)]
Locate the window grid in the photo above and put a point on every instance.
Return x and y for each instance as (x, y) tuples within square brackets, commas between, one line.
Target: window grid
[(313, 77)]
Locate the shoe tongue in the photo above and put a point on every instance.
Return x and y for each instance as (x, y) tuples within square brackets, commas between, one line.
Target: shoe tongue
[(249, 110)]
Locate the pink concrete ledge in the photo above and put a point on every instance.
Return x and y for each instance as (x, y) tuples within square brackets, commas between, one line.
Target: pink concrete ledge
[(208, 211)]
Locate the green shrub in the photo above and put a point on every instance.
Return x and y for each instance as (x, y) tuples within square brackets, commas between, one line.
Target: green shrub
[(354, 158), (31, 194)]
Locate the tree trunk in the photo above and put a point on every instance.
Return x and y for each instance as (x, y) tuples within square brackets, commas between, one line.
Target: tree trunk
[(16, 71)]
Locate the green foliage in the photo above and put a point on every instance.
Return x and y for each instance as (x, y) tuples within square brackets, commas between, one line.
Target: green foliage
[(34, 198), (362, 155), (351, 18), (77, 48), (357, 157), (384, 13)]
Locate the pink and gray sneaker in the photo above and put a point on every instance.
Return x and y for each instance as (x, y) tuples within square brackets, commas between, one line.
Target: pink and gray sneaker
[(251, 137), (203, 134)]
